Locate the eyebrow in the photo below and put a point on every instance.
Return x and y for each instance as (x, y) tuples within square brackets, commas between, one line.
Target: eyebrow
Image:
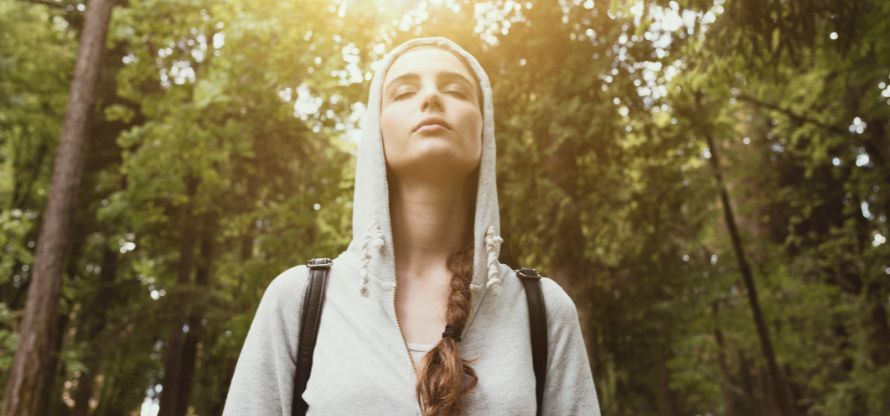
[(447, 75)]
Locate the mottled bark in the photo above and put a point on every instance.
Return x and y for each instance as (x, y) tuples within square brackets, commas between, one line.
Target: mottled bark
[(28, 383)]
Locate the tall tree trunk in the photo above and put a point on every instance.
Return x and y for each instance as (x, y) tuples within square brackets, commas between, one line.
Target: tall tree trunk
[(172, 380), (28, 383), (780, 388), (196, 315), (92, 328), (664, 397)]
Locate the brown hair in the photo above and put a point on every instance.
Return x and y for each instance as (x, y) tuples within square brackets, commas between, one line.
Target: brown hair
[(445, 378)]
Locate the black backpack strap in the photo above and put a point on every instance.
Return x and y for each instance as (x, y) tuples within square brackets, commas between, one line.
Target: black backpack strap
[(537, 318), (313, 300)]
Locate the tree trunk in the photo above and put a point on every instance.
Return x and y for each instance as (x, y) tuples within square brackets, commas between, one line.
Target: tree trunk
[(172, 381), (196, 315), (780, 388), (664, 397), (726, 386), (28, 382), (92, 328)]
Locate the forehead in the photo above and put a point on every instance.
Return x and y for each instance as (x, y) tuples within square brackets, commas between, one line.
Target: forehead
[(426, 61)]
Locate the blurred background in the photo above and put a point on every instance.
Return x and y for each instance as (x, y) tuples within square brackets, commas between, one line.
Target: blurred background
[(708, 179)]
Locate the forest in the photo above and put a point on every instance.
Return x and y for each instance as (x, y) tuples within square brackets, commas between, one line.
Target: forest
[(708, 179)]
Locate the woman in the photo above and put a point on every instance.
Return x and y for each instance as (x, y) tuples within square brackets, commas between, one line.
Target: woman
[(454, 337)]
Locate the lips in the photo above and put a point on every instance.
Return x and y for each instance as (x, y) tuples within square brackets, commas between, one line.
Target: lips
[(432, 121)]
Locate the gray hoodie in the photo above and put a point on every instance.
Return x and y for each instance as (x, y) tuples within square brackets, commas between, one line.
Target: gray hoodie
[(360, 364)]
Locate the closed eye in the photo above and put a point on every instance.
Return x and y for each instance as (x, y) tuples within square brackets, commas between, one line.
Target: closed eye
[(406, 94)]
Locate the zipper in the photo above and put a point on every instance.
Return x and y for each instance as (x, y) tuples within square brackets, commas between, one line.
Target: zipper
[(395, 313)]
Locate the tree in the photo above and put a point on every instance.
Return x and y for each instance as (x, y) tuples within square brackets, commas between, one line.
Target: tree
[(28, 381)]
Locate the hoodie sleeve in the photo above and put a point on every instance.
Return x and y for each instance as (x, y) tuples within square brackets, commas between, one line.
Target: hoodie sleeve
[(262, 384), (569, 389)]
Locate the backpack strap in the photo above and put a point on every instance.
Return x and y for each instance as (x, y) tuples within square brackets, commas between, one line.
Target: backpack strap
[(537, 319), (313, 300)]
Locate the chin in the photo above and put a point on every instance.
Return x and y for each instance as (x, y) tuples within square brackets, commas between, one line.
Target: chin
[(435, 164)]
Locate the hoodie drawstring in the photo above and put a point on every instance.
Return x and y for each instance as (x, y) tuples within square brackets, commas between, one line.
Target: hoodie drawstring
[(374, 237), (492, 243)]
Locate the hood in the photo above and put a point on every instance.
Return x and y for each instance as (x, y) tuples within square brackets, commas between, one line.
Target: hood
[(372, 242)]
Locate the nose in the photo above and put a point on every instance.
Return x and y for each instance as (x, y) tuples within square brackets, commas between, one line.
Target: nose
[(432, 99)]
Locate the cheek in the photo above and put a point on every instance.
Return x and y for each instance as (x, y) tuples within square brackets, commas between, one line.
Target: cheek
[(472, 130), (391, 127), (386, 122)]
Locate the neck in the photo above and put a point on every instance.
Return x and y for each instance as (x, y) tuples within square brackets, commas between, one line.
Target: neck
[(428, 223)]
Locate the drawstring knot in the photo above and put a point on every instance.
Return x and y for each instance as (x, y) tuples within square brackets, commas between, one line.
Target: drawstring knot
[(373, 237), (492, 244)]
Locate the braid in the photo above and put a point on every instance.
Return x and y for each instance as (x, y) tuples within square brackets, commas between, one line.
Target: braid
[(445, 377)]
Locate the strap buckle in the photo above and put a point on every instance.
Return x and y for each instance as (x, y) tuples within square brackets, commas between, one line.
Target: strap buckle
[(528, 273), (319, 263)]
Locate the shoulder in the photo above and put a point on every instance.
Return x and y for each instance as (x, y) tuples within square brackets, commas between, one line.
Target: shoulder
[(561, 309), (559, 305), (287, 285), (291, 278)]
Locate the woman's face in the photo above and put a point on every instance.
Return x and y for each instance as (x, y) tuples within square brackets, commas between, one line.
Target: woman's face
[(430, 116)]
